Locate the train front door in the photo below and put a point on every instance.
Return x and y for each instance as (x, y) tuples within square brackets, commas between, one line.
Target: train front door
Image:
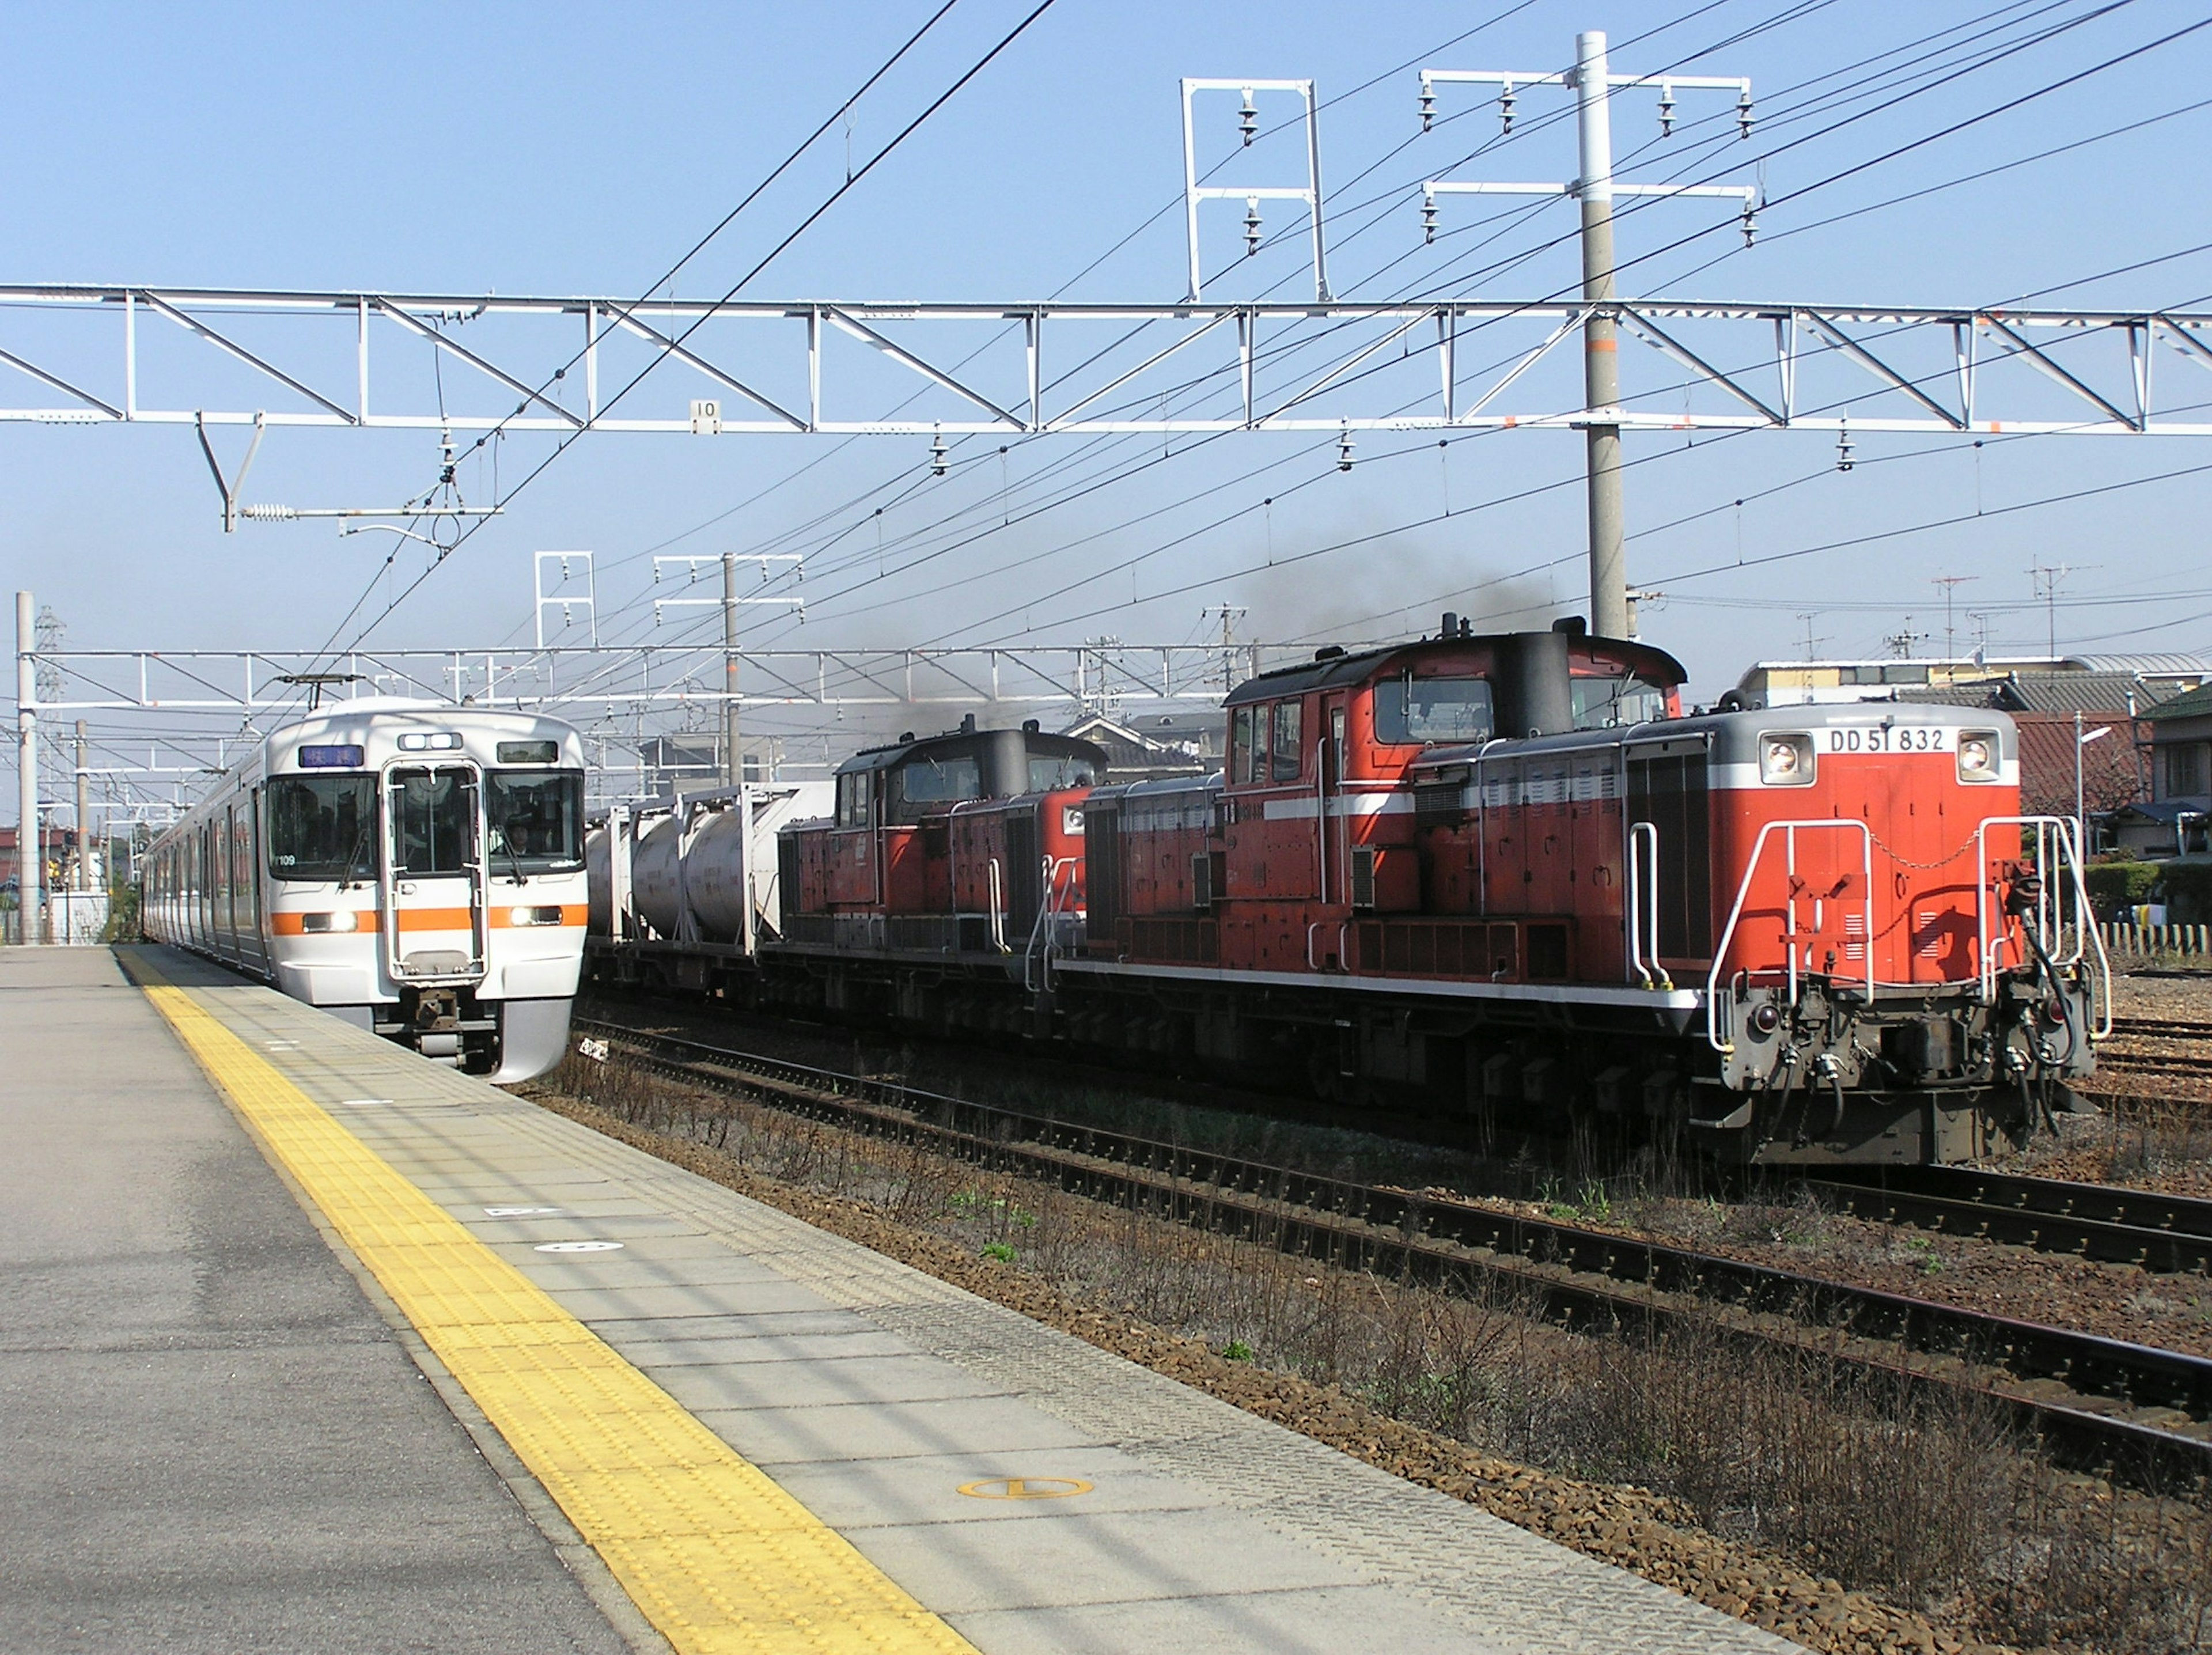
[(433, 897)]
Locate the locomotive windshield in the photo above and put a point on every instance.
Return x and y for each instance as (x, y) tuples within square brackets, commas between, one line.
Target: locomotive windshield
[(931, 780), (1602, 703), (536, 818), (433, 818), (1051, 770), (1411, 709), (322, 827)]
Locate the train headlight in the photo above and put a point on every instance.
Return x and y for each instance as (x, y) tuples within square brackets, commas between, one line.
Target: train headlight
[(1070, 820), (547, 916), (1785, 761), (345, 920), (1977, 756)]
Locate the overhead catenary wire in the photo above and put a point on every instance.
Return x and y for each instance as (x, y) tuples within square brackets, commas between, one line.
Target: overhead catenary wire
[(836, 195), (2017, 46)]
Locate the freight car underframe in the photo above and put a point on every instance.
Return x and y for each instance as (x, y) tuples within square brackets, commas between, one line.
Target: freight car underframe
[(1938, 1072)]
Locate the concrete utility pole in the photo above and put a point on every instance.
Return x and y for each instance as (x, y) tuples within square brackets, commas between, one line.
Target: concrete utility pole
[(1608, 563), (1593, 84), (734, 767), (82, 881), (30, 869)]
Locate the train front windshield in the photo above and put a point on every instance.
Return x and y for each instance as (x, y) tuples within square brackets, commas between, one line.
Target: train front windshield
[(433, 818), (536, 820), (322, 827)]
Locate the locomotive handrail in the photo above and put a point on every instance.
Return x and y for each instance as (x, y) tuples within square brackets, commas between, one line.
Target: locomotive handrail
[(1321, 812), (2063, 832), (998, 914), (1641, 891), (1047, 924), (1343, 935), (1791, 830)]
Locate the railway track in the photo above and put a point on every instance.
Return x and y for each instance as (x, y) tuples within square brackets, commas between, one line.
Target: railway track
[(2138, 1412), (2160, 1233)]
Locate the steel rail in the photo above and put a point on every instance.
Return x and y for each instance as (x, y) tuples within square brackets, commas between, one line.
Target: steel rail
[(2145, 1028), (2170, 1234), (1443, 1241)]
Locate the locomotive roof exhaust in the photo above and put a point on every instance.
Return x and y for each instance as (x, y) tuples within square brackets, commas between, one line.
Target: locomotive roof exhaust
[(1532, 689)]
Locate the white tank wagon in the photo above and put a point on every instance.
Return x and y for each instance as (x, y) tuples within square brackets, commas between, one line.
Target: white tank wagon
[(685, 891), (414, 867)]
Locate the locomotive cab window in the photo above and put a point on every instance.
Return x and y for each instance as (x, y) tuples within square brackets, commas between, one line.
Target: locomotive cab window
[(1048, 772), (322, 827), (1240, 745), (1409, 710), (852, 800), (536, 818), (1604, 704), (433, 819), (1289, 751), (925, 782)]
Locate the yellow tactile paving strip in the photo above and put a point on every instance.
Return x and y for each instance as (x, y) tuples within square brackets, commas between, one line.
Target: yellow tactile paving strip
[(713, 1553)]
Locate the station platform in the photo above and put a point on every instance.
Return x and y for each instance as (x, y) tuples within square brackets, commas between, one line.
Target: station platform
[(240, 1236)]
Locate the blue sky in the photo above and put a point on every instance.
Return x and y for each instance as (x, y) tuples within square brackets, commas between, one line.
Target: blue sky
[(556, 149)]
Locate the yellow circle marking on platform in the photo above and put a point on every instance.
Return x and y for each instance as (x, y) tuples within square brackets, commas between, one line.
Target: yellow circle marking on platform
[(1026, 1487), (717, 1556)]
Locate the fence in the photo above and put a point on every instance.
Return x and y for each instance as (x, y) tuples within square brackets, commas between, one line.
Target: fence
[(74, 918), (2124, 940)]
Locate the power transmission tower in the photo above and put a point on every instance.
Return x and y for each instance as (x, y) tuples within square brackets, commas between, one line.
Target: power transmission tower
[(1594, 83)]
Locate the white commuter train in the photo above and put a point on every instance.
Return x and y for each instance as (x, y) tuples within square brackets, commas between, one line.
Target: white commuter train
[(414, 867)]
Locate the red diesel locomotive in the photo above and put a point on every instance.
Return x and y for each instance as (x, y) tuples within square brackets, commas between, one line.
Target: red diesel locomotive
[(1497, 876)]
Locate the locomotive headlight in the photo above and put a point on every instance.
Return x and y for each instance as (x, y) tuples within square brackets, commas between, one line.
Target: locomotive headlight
[(345, 920), (1070, 820), (1785, 761), (547, 916), (1977, 756)]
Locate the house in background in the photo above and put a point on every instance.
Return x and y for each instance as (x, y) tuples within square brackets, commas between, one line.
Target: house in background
[(2176, 818), (1154, 747)]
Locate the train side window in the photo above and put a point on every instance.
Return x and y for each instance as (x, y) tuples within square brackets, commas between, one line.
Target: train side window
[(853, 799), (1260, 744), (1240, 745), (1290, 752)]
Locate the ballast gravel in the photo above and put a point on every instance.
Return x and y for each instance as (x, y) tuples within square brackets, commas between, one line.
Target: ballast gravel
[(1648, 1534)]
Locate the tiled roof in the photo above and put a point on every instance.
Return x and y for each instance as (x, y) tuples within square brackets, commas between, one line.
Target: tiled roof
[(2193, 703)]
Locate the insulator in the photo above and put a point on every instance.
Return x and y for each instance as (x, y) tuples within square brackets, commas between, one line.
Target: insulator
[(936, 454), (1505, 110), (1750, 227), (1428, 107), (1428, 220), (1251, 225), (1743, 116), (268, 514), (1344, 452), (1667, 116), (1843, 461), (1247, 121)]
